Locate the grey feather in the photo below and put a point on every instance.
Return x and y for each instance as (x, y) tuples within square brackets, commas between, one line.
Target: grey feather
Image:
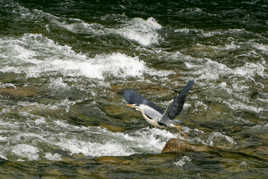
[(132, 97), (176, 106)]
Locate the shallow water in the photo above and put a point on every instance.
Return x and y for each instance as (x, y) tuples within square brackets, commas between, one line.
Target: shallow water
[(63, 63)]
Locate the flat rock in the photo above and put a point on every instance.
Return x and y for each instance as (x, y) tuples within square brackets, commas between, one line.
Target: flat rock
[(18, 92), (180, 146), (112, 160), (113, 128)]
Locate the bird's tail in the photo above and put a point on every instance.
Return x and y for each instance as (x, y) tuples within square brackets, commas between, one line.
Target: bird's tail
[(185, 90)]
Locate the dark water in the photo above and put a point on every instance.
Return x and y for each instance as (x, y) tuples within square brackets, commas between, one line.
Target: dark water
[(62, 64)]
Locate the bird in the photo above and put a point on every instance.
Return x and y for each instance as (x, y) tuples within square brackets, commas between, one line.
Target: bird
[(154, 114)]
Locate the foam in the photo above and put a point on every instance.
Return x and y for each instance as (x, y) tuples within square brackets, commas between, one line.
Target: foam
[(58, 83), (215, 139), (7, 85), (26, 151), (231, 46), (223, 85), (117, 144), (3, 139), (214, 135), (183, 161), (94, 149), (187, 31), (208, 34), (222, 32), (242, 106), (40, 121), (262, 47), (239, 78), (79, 26), (142, 31), (212, 70), (200, 106), (3, 157), (249, 70), (208, 71), (37, 105), (63, 104), (47, 57), (89, 141), (53, 157), (152, 140)]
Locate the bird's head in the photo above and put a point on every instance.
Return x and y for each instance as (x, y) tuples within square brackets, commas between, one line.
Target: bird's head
[(134, 106)]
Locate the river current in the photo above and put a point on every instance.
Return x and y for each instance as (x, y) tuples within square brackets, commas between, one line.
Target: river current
[(63, 64)]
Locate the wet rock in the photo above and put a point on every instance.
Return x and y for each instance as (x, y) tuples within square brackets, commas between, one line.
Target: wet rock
[(113, 128), (118, 111), (263, 151), (156, 159), (243, 165), (18, 92), (6, 176), (89, 174), (112, 160), (50, 173), (179, 146), (86, 114)]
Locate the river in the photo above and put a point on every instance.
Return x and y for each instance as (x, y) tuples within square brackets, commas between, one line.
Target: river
[(63, 64)]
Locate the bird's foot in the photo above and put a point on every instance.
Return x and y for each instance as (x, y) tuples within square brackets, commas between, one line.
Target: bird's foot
[(181, 132)]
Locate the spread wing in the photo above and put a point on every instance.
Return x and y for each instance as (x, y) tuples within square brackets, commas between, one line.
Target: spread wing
[(176, 106), (132, 97)]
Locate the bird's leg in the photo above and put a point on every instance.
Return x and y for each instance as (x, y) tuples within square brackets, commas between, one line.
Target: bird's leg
[(180, 131)]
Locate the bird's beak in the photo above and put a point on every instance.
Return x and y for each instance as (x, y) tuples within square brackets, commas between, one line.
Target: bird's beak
[(130, 105), (133, 106)]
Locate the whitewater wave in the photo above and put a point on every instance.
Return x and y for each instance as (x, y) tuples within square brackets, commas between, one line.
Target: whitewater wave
[(89, 141), (36, 55), (144, 32)]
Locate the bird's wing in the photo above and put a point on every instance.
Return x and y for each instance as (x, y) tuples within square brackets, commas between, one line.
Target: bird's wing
[(176, 106), (132, 97)]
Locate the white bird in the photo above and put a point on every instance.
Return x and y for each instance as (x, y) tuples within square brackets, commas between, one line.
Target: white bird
[(153, 114)]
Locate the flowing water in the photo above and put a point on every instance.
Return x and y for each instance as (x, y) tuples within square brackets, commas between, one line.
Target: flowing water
[(62, 64)]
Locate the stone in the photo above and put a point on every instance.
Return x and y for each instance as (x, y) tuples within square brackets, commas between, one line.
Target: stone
[(180, 146), (112, 128), (109, 159), (18, 92), (263, 151)]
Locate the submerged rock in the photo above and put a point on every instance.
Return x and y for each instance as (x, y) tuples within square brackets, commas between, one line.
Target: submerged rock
[(112, 160), (243, 154), (112, 128), (18, 92), (180, 146)]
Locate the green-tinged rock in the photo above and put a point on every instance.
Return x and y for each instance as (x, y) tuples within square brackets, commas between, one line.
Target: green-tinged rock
[(53, 172), (111, 160), (18, 92), (179, 146), (112, 128)]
